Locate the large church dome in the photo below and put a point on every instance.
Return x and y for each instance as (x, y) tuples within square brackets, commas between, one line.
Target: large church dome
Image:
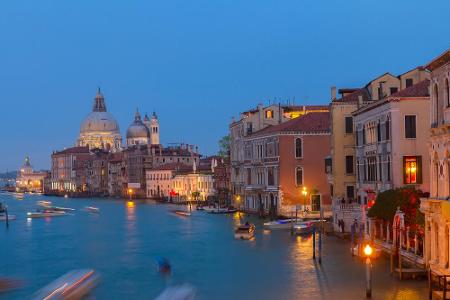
[(100, 129), (137, 132)]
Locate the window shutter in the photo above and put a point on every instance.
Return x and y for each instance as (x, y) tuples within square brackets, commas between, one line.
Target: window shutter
[(419, 167)]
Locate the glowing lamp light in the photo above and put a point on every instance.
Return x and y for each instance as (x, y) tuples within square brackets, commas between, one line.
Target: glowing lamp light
[(130, 191), (130, 204), (368, 250)]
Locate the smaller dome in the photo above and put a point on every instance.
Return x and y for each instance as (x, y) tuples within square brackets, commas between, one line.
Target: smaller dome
[(137, 129)]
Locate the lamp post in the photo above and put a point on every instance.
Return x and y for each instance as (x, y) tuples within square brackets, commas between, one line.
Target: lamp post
[(368, 251), (130, 192)]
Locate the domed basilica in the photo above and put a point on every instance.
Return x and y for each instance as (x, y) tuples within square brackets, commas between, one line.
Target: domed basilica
[(101, 130)]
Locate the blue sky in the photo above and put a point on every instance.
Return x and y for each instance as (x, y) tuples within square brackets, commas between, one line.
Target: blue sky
[(197, 63)]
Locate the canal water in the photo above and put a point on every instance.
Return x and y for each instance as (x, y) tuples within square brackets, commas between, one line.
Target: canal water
[(122, 241)]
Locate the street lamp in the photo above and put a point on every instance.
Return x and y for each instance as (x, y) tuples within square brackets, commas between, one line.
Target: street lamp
[(368, 251), (130, 192), (305, 194)]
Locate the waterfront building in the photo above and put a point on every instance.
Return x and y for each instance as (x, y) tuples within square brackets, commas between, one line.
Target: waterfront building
[(437, 207), (68, 173), (97, 172), (254, 120), (117, 185), (29, 180), (373, 129), (391, 142), (100, 129), (282, 161), (160, 180), (222, 177)]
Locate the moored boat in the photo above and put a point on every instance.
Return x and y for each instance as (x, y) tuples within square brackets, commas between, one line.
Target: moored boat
[(303, 228), (244, 232), (223, 211), (45, 214), (10, 217), (74, 285), (279, 224), (44, 203)]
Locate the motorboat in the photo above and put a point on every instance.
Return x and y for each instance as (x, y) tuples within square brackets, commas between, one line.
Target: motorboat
[(182, 213), (181, 292), (92, 209), (303, 228), (44, 203), (280, 224), (244, 232), (73, 285), (46, 213), (10, 217), (223, 211), (200, 208), (58, 208)]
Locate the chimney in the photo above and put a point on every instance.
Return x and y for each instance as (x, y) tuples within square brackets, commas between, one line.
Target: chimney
[(360, 101), (333, 93)]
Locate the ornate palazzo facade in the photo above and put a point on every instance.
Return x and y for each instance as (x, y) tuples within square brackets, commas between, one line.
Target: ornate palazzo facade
[(437, 207)]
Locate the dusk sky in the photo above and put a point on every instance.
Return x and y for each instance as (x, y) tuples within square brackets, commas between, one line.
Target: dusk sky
[(196, 63)]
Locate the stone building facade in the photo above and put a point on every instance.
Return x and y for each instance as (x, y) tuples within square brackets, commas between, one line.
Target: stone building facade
[(437, 207)]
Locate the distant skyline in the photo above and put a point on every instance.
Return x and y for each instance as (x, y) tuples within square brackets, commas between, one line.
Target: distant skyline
[(196, 63)]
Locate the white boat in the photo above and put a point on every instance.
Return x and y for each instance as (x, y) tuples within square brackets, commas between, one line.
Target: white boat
[(279, 224), (303, 228), (223, 211), (46, 213), (182, 292), (58, 208), (92, 209), (44, 203), (244, 232), (182, 213), (10, 217), (74, 285)]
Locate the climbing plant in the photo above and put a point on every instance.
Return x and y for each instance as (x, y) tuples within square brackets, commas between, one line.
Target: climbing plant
[(407, 199)]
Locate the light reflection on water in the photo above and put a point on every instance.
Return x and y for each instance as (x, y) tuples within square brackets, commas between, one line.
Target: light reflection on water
[(123, 239)]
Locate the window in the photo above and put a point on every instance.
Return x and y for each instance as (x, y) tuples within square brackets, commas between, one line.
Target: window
[(412, 172), (410, 127), (364, 135), (269, 114), (380, 92), (372, 168), (270, 177), (447, 93), (409, 82), (388, 168), (348, 124), (349, 164), (249, 128), (350, 192), (249, 176), (393, 90), (388, 129), (299, 176), (298, 148), (379, 131)]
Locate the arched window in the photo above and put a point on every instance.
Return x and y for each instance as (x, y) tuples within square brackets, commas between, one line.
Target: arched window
[(298, 148), (299, 176), (447, 93), (436, 103)]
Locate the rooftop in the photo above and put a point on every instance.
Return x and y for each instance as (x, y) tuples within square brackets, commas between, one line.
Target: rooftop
[(315, 122)]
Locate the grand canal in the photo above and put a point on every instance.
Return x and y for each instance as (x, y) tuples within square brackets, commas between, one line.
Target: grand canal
[(122, 241)]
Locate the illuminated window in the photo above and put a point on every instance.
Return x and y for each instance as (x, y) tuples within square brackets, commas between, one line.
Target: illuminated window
[(269, 114), (412, 169)]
